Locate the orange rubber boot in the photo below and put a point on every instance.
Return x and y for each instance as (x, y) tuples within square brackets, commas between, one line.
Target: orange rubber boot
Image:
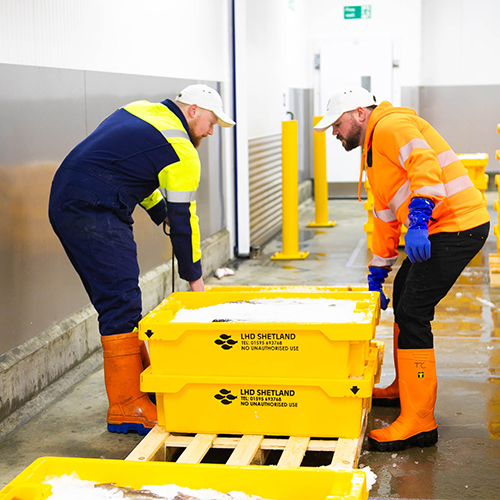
[(416, 425), (145, 363), (389, 396), (144, 354), (129, 408)]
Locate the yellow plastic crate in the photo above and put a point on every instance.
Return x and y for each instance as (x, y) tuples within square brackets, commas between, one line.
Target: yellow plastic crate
[(482, 182), (278, 350), (274, 483), (263, 405), (476, 175), (475, 165), (476, 160), (496, 231)]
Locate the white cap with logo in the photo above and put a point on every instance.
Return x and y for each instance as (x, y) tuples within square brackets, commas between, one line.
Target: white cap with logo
[(207, 98), (343, 100)]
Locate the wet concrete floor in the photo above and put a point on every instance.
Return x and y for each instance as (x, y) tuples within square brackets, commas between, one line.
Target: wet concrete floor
[(465, 463)]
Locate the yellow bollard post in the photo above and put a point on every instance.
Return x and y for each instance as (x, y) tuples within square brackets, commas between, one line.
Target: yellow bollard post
[(320, 182), (290, 194)]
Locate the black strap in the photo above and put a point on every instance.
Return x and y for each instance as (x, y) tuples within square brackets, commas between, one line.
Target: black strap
[(173, 261)]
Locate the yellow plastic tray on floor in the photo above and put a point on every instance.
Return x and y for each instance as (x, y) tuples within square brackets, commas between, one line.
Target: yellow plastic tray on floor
[(274, 483), (263, 405), (281, 350)]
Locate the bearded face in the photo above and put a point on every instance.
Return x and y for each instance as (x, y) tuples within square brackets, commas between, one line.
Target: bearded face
[(196, 140), (201, 126), (350, 135)]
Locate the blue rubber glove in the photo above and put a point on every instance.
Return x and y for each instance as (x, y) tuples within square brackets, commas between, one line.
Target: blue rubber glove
[(376, 279), (417, 244)]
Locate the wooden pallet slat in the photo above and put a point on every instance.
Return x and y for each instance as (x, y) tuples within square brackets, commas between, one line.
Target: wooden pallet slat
[(294, 452), (197, 449), (245, 450), (347, 454), (152, 447)]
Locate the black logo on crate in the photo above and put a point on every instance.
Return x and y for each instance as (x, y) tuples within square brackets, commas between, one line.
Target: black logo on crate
[(420, 375), (225, 341), (149, 333), (225, 397), (354, 389)]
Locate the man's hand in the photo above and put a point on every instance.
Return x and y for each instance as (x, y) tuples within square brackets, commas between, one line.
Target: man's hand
[(166, 226), (198, 285), (376, 279), (417, 244)]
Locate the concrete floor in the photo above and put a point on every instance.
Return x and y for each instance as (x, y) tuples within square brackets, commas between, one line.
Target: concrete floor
[(465, 463)]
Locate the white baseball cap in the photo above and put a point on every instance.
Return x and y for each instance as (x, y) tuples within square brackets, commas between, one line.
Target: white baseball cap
[(344, 99), (207, 98)]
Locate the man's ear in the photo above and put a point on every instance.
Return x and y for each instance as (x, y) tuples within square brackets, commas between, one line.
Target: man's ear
[(192, 110), (361, 114)]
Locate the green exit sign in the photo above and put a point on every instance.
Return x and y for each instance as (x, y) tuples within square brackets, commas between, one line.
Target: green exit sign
[(358, 12)]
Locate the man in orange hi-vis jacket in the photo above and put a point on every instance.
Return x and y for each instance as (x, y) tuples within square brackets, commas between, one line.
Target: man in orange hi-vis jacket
[(417, 180)]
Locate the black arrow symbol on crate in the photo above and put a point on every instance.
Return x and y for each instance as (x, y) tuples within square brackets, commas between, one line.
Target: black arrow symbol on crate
[(355, 389), (149, 333)]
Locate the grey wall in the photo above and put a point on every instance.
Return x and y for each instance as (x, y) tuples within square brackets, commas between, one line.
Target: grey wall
[(466, 116), (410, 98), (44, 113), (302, 107)]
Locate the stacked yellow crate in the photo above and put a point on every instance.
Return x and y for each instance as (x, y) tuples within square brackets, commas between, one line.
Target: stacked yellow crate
[(494, 258), (476, 165), (368, 227), (296, 379)]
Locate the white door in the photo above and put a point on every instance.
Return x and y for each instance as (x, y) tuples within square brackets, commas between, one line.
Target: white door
[(365, 61)]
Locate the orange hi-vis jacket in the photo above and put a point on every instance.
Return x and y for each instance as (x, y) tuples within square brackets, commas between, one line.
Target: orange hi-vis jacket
[(406, 158)]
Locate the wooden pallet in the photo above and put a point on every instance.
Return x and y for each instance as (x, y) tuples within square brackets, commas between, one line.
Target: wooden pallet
[(494, 261), (161, 445)]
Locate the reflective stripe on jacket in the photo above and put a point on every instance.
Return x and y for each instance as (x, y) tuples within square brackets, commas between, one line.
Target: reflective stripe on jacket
[(406, 158)]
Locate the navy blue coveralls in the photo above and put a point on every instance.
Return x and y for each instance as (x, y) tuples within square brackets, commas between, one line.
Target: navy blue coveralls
[(141, 154)]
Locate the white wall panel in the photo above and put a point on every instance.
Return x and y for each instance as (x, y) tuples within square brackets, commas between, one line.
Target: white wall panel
[(17, 31), (180, 39), (460, 42), (299, 56), (398, 19), (277, 60)]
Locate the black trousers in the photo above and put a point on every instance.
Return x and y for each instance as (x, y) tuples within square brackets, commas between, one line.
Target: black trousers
[(418, 288)]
